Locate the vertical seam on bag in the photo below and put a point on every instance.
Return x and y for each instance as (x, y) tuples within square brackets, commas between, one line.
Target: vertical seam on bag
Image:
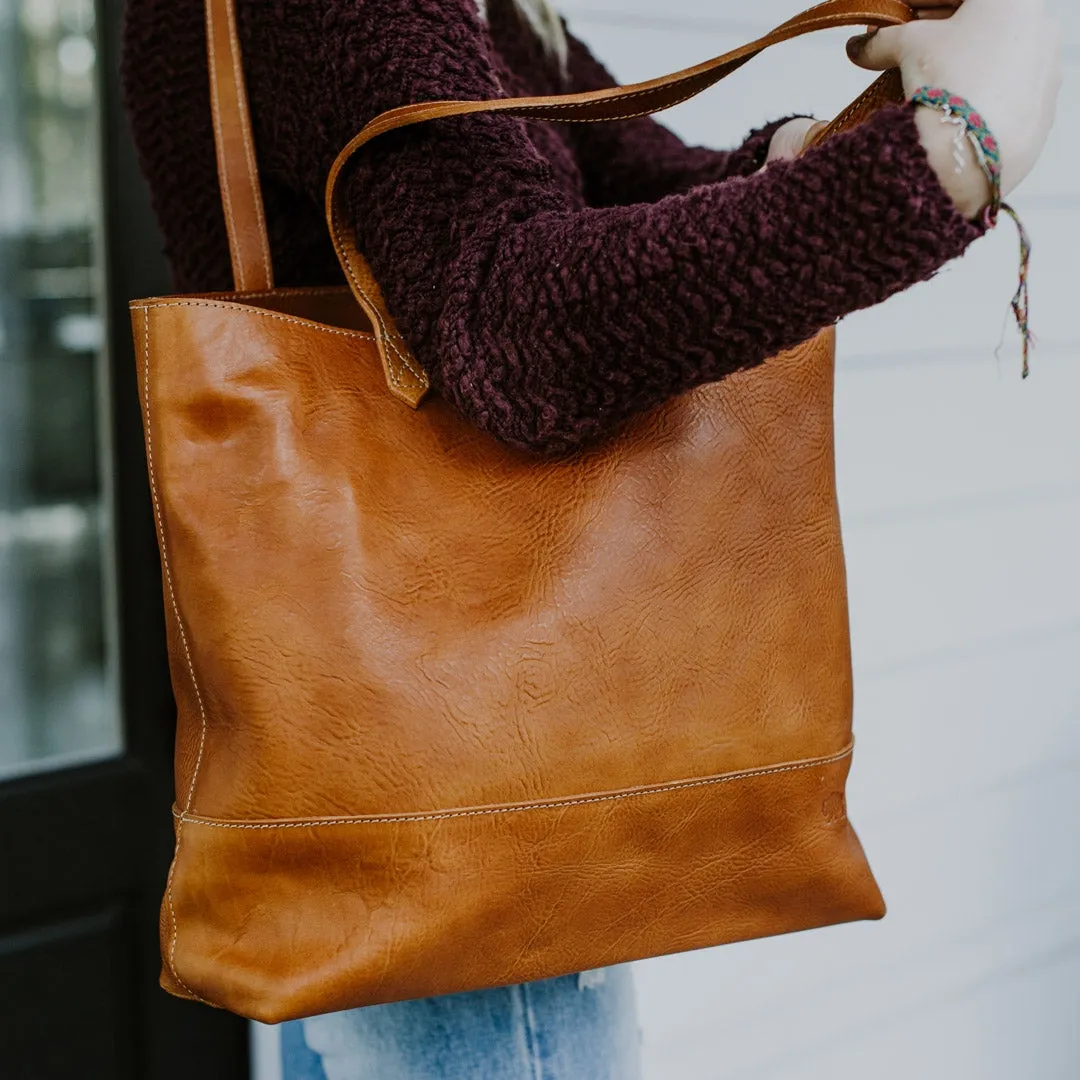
[(160, 521), (165, 564)]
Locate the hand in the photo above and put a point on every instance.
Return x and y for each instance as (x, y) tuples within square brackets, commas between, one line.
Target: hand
[(788, 141), (1004, 56)]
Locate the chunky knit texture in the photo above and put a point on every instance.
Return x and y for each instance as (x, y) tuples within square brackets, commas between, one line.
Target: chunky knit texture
[(552, 280)]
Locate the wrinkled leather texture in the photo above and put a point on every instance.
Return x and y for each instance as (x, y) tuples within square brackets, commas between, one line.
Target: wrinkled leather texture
[(453, 716), (376, 613)]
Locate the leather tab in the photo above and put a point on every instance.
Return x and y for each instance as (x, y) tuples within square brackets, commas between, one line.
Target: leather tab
[(405, 377), (238, 171)]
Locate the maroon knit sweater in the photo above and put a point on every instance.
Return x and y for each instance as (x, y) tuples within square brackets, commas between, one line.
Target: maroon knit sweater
[(552, 280)]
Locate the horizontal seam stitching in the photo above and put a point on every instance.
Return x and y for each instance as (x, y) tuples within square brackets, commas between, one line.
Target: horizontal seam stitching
[(258, 311), (554, 804)]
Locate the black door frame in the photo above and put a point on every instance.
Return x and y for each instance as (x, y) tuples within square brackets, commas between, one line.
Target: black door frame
[(84, 852)]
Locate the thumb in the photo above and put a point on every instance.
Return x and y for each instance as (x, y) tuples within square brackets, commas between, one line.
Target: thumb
[(878, 50)]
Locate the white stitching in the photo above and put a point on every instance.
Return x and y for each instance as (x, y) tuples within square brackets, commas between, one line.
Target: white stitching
[(165, 557), (322, 290), (388, 335), (552, 804), (624, 116), (246, 138), (541, 109), (172, 916), (705, 76), (144, 306), (183, 637), (223, 164)]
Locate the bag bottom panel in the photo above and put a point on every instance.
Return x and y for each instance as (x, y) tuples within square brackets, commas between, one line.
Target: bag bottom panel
[(276, 921)]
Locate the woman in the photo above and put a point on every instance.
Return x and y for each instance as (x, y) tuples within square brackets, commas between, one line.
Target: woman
[(555, 281)]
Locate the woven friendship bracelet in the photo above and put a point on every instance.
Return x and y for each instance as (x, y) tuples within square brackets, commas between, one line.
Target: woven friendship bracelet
[(970, 125)]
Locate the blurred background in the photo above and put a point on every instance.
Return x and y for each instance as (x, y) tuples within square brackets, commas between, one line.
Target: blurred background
[(960, 494), (58, 704)]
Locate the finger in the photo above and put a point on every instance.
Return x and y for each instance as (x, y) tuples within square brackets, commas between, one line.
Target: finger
[(789, 140), (878, 50), (812, 134), (936, 13)]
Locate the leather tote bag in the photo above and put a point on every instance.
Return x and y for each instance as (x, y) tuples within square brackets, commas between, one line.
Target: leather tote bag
[(451, 715)]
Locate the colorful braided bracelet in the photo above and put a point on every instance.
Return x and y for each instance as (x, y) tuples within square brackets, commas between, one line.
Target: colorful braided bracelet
[(970, 125)]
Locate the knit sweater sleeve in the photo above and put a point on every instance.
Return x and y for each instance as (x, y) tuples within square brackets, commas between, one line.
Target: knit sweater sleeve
[(641, 160), (547, 322), (558, 326)]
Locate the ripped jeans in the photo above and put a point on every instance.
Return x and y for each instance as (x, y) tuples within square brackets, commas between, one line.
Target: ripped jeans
[(575, 1027)]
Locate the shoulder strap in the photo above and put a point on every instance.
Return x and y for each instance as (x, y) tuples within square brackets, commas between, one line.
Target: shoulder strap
[(405, 377), (238, 170), (238, 173)]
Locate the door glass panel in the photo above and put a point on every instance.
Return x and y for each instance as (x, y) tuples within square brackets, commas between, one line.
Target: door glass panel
[(57, 700)]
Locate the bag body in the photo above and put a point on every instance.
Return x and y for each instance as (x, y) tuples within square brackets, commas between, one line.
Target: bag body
[(453, 716)]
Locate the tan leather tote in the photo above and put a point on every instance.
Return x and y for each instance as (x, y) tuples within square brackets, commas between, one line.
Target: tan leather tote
[(453, 716)]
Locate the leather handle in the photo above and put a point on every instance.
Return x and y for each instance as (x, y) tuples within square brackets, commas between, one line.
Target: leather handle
[(238, 171), (404, 375)]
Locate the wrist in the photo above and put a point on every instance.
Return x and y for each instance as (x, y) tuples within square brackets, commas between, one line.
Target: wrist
[(969, 187)]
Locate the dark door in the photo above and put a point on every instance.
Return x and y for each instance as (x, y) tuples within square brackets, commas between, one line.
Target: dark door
[(85, 708)]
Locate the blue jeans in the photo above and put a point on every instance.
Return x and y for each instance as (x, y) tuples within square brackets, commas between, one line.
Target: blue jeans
[(576, 1027)]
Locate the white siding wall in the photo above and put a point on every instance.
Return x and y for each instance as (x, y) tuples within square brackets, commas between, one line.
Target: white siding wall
[(960, 491)]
